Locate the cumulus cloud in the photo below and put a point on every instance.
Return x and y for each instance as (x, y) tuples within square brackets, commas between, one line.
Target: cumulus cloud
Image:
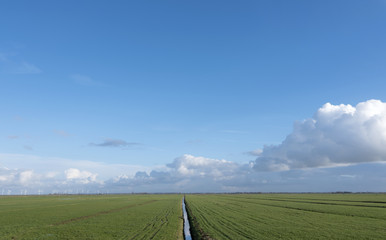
[(189, 165), (114, 143), (26, 176), (85, 177), (337, 135), (188, 173), (15, 177)]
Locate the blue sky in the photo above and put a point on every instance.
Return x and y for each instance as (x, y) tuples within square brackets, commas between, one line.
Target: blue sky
[(140, 86)]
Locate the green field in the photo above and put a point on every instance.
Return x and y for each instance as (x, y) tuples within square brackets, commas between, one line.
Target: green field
[(213, 216), (287, 216), (91, 217)]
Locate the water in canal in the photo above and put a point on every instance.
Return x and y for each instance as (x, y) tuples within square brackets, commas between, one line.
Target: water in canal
[(186, 222)]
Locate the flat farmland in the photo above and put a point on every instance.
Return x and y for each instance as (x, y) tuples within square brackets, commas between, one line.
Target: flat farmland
[(287, 216), (91, 217)]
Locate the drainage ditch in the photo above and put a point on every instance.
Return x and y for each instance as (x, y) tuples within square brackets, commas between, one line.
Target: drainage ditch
[(187, 235)]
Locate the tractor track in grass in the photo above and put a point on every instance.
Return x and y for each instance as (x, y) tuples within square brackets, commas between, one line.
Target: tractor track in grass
[(320, 201), (100, 213), (309, 210), (164, 220)]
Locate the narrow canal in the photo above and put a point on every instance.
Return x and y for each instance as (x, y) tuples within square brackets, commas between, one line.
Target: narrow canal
[(187, 235)]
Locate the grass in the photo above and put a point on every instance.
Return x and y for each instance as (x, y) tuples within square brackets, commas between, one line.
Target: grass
[(287, 216), (91, 217)]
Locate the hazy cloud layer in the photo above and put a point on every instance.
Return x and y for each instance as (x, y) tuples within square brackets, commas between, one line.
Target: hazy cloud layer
[(336, 135), (55, 175), (185, 174), (114, 143), (51, 165), (11, 63), (24, 181)]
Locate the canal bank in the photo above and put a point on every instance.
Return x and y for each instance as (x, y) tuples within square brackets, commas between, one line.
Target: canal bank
[(187, 235)]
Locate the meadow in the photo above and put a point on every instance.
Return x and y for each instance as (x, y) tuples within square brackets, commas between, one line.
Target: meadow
[(91, 217), (287, 216)]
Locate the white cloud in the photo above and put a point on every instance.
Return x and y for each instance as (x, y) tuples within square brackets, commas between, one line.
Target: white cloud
[(20, 177), (20, 180), (337, 135), (26, 177), (6, 175), (189, 165), (85, 177)]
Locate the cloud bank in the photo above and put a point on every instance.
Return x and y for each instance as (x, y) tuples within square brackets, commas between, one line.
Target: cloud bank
[(189, 173), (336, 135), (185, 174), (23, 181)]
